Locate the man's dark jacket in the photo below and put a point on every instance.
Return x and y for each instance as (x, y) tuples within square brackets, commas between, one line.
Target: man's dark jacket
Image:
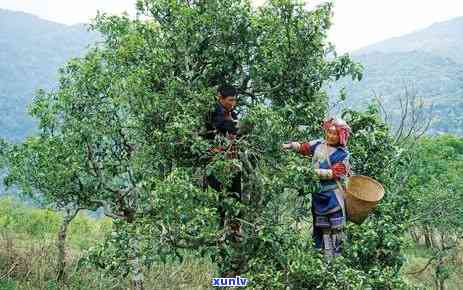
[(220, 121)]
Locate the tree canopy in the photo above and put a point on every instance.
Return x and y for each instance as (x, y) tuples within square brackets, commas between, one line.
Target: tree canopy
[(122, 131)]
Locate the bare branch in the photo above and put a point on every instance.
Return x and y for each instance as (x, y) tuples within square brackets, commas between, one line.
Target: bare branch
[(410, 128), (424, 268), (381, 106), (10, 270), (436, 256), (187, 242)]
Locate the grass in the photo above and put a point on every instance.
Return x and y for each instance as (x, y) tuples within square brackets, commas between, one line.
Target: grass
[(32, 267), (27, 224), (417, 259), (28, 257)]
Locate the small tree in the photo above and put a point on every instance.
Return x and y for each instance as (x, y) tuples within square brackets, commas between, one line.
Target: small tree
[(436, 187), (45, 169)]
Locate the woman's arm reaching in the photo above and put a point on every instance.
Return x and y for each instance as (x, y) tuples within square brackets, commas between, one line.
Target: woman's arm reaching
[(305, 148)]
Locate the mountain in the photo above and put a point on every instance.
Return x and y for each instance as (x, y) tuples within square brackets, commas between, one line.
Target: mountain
[(426, 63), (443, 38), (429, 63), (32, 50)]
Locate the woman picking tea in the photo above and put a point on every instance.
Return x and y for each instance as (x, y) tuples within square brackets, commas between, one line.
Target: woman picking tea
[(330, 162)]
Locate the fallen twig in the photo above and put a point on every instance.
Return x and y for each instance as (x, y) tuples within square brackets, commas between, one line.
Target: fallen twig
[(9, 271)]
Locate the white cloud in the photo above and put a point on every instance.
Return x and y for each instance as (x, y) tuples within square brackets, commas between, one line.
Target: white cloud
[(356, 22), (361, 22), (69, 11)]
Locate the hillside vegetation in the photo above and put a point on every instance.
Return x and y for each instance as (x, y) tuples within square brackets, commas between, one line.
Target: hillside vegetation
[(427, 63), (32, 50)]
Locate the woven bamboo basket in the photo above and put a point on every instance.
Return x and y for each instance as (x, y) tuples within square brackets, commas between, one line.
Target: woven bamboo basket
[(361, 197)]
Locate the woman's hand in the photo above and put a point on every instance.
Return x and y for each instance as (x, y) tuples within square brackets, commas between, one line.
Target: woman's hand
[(287, 146), (291, 145)]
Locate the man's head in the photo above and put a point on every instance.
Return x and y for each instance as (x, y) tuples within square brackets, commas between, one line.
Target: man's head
[(227, 97)]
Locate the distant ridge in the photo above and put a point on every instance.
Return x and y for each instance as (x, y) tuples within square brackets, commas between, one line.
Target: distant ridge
[(442, 38), (428, 62), (32, 51)]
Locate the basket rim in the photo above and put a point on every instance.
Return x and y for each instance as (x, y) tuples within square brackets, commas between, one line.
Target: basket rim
[(378, 198)]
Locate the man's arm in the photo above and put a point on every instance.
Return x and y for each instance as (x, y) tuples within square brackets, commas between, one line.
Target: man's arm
[(224, 125)]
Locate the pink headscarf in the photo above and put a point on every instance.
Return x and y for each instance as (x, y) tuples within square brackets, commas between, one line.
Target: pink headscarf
[(341, 127)]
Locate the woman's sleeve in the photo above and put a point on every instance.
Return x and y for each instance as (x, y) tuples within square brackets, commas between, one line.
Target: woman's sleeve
[(308, 148), (340, 164), (339, 170)]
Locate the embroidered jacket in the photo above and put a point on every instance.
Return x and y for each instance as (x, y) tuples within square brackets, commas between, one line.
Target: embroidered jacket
[(329, 172)]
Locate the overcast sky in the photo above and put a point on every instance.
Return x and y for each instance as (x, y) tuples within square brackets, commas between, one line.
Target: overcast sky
[(357, 23)]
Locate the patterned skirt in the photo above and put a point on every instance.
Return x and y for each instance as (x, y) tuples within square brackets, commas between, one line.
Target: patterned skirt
[(328, 216)]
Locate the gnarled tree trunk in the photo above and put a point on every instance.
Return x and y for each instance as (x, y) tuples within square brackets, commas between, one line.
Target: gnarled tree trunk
[(138, 280), (69, 215)]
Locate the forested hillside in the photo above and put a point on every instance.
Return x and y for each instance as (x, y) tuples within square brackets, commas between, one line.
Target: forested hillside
[(32, 50), (427, 63)]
